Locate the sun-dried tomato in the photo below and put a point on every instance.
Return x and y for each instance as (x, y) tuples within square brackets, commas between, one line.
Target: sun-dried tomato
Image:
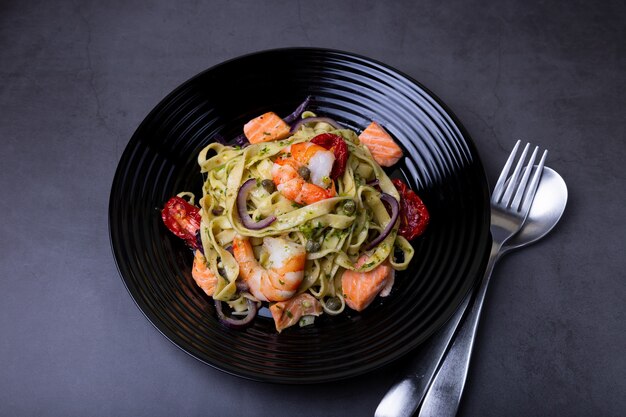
[(182, 219), (336, 144), (414, 216)]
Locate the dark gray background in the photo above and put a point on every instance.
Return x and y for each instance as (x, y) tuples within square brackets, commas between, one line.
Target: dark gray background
[(78, 77)]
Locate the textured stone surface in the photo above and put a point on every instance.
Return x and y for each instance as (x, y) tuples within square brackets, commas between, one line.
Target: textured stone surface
[(78, 77)]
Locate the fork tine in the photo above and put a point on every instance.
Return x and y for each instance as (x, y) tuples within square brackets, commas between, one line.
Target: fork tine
[(513, 183), (532, 188), (517, 200), (497, 191)]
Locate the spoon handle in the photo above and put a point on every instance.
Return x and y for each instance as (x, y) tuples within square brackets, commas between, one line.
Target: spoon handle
[(444, 395)]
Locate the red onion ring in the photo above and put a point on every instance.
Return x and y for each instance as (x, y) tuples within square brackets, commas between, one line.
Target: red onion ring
[(236, 323), (298, 111), (301, 122), (247, 221), (395, 210)]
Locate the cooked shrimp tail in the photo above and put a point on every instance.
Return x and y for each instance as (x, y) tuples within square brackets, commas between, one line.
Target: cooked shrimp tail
[(202, 274)]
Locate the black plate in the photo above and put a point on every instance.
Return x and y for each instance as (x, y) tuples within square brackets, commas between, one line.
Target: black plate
[(441, 163)]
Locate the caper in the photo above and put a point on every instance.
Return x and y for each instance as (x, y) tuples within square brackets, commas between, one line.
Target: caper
[(349, 207), (304, 172), (268, 185), (312, 246), (217, 211), (333, 303)]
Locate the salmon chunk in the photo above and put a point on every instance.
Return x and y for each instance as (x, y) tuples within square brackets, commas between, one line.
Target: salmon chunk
[(381, 145), (361, 288), (287, 313), (265, 128)]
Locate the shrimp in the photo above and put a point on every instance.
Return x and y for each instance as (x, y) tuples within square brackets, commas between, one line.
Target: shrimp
[(285, 273), (361, 288), (290, 183), (203, 275)]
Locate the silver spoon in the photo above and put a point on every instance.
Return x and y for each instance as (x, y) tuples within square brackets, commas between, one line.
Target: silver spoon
[(405, 396)]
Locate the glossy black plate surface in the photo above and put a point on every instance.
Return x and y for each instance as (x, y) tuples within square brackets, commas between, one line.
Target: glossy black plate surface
[(441, 164)]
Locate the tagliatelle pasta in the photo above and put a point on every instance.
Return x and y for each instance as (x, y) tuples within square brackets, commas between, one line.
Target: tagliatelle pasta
[(346, 228)]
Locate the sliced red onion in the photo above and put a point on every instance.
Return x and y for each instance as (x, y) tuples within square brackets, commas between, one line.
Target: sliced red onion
[(298, 111), (241, 140), (373, 183), (219, 138), (242, 197), (301, 122), (236, 323), (395, 209), (199, 242)]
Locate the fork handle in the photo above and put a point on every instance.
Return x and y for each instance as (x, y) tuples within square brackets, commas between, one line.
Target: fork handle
[(444, 395)]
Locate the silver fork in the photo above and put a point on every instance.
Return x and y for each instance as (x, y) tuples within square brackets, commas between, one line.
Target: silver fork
[(510, 204)]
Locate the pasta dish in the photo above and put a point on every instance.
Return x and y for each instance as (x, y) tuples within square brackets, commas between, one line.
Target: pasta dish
[(301, 217)]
